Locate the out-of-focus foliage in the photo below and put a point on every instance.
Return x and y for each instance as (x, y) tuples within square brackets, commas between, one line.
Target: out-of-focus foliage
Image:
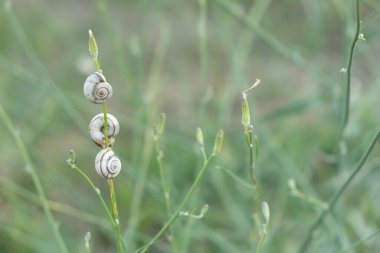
[(150, 53)]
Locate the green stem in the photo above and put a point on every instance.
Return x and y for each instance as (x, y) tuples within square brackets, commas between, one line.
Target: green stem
[(346, 109), (177, 212), (96, 190), (261, 244), (115, 215), (249, 139), (96, 63), (36, 180), (106, 140), (334, 199), (114, 222), (164, 185)]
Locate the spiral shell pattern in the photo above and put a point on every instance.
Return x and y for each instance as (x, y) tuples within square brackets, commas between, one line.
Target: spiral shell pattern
[(96, 129), (96, 89), (107, 164)]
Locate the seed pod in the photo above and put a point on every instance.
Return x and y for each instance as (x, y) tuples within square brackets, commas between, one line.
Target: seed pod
[(96, 89), (96, 129), (107, 164)]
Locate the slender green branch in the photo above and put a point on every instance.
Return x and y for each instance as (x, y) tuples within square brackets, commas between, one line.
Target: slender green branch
[(261, 244), (115, 225), (248, 130), (164, 184), (179, 209), (36, 180), (115, 215), (94, 188), (346, 103), (334, 199), (93, 48), (106, 140)]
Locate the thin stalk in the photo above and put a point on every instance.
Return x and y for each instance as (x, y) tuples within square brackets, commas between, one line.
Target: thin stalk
[(36, 180), (104, 109), (346, 103), (96, 190), (261, 244), (164, 184), (110, 215), (115, 215), (93, 48), (180, 207), (334, 199), (249, 139)]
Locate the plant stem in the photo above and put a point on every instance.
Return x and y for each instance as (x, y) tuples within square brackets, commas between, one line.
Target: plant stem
[(115, 215), (96, 62), (106, 140), (334, 199), (180, 207), (35, 179), (261, 244), (346, 104), (164, 185), (249, 139), (111, 217), (96, 190)]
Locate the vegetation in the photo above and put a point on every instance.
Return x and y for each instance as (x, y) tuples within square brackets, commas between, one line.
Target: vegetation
[(295, 168)]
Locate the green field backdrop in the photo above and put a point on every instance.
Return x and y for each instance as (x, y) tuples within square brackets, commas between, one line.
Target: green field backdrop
[(192, 60)]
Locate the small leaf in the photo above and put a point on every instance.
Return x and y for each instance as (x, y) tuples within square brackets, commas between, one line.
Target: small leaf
[(218, 142), (92, 46), (246, 117), (161, 123), (204, 210), (158, 128), (292, 185), (72, 158), (266, 211), (199, 136)]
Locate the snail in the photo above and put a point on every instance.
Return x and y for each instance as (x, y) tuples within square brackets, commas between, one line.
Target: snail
[(96, 129), (107, 164), (96, 89)]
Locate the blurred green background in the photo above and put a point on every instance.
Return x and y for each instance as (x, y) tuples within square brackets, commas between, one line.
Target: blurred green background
[(159, 58)]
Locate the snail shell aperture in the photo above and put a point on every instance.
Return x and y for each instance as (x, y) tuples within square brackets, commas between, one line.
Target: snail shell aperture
[(96, 89), (107, 164), (96, 129)]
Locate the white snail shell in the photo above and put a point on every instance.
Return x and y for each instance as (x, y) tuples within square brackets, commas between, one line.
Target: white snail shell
[(107, 164), (96, 129), (96, 89)]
